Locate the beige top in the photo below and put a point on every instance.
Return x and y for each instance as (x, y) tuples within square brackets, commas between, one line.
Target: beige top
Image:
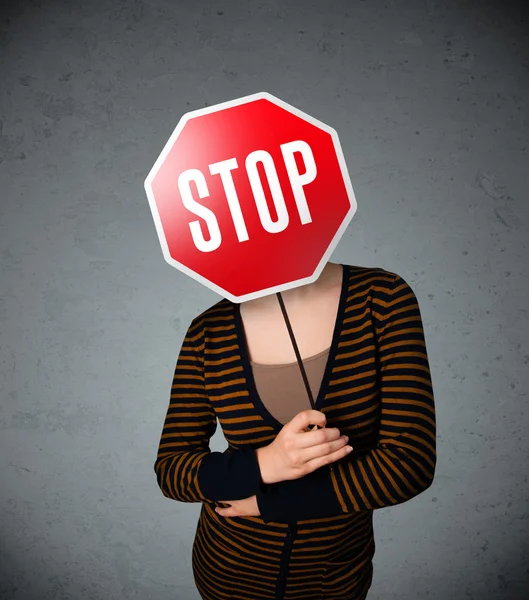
[(281, 388)]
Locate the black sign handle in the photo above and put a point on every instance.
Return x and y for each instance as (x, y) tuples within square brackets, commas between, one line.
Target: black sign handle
[(298, 355)]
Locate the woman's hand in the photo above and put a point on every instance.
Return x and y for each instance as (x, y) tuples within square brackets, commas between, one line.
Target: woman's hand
[(299, 450), (240, 508)]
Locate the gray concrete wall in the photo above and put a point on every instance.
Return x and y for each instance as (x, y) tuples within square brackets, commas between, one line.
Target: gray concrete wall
[(430, 100)]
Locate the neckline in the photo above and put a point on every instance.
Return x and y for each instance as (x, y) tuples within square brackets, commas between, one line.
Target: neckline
[(290, 364), (258, 404)]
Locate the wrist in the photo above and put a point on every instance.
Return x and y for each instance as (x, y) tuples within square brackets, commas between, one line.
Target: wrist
[(264, 465)]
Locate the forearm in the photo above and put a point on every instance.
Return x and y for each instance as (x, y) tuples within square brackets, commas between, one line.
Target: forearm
[(325, 493), (308, 497), (198, 476)]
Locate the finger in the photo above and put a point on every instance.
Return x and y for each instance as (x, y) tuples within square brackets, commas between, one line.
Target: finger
[(305, 418), (318, 437), (327, 449), (328, 458)]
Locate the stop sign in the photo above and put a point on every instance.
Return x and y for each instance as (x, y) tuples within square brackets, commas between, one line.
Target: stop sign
[(250, 197)]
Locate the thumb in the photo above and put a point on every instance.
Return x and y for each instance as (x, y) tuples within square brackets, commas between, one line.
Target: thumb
[(308, 420)]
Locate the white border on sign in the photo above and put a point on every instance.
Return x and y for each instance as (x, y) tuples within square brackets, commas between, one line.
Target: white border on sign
[(230, 104)]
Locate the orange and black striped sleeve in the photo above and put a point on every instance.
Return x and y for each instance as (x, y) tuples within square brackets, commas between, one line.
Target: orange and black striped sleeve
[(402, 463), (185, 467)]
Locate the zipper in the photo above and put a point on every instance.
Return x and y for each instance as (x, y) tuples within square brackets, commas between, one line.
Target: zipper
[(290, 536)]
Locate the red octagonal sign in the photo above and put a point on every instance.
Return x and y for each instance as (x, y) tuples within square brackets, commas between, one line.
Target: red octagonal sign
[(250, 197)]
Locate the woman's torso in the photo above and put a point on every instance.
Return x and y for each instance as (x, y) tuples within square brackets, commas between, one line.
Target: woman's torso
[(324, 557)]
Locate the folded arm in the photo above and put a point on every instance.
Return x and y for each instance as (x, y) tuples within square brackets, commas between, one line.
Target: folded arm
[(185, 467), (402, 464)]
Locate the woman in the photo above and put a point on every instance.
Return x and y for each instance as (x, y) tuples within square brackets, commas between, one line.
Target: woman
[(287, 512)]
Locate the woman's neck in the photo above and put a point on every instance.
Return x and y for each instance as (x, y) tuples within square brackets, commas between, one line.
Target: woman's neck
[(330, 274)]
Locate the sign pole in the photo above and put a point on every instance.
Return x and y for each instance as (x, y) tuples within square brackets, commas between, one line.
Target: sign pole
[(296, 350)]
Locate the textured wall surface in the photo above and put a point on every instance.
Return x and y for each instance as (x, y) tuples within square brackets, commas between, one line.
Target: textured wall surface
[(430, 100)]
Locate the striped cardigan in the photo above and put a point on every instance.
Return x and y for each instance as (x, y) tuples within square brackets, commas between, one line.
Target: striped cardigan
[(314, 538)]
